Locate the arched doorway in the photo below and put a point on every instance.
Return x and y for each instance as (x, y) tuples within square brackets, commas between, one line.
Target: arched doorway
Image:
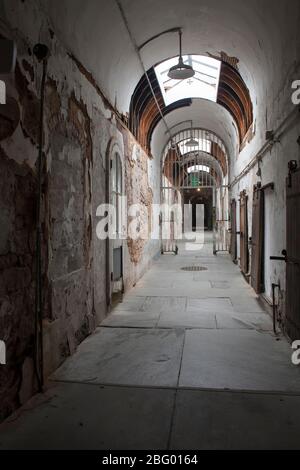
[(195, 168), (116, 242)]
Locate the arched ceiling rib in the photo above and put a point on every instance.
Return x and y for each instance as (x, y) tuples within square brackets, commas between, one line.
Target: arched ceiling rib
[(144, 114), (232, 94)]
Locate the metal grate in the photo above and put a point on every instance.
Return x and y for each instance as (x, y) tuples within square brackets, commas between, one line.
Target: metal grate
[(194, 268)]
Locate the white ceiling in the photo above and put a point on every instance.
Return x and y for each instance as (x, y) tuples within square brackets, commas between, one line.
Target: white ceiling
[(261, 33), (205, 115)]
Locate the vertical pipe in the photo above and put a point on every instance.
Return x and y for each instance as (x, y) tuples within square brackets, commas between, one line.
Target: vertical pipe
[(41, 52)]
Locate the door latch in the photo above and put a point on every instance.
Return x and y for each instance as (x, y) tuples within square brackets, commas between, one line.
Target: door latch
[(280, 258), (286, 258)]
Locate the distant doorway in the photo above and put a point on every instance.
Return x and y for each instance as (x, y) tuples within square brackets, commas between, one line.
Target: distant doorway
[(204, 197)]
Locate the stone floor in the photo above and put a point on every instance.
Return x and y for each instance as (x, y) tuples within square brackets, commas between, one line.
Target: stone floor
[(187, 361)]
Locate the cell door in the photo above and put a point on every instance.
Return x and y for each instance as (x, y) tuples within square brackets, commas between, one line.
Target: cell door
[(117, 239), (293, 252), (233, 246), (257, 240), (244, 254)]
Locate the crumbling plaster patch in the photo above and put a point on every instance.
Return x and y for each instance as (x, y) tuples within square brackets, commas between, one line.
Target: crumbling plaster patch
[(78, 126)]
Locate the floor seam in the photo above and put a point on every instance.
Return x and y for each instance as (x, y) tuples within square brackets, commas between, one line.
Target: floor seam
[(175, 396), (180, 388)]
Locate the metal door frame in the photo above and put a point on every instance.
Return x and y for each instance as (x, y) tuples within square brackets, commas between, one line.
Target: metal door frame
[(257, 246), (233, 230), (244, 234)]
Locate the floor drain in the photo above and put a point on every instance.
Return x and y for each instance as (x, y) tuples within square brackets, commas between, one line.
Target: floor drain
[(194, 268)]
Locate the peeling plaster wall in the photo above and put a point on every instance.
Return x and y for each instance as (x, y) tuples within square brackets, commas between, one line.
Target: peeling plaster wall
[(274, 168), (142, 181), (78, 127), (274, 165)]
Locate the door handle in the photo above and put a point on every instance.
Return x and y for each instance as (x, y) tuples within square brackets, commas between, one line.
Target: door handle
[(286, 258), (280, 258)]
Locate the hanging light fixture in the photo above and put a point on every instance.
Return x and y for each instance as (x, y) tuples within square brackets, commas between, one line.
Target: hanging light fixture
[(181, 71), (192, 142)]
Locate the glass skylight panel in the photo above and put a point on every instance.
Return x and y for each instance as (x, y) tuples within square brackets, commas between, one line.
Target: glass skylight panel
[(204, 145), (197, 168), (204, 84)]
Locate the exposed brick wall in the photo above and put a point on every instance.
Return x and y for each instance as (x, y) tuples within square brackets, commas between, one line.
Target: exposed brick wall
[(138, 192), (17, 190), (78, 126)]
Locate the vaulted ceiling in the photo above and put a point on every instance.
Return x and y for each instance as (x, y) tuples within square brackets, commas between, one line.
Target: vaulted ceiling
[(144, 114), (257, 33)]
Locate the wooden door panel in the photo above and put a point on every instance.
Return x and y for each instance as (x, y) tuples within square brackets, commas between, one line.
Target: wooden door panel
[(244, 255), (257, 240), (233, 245)]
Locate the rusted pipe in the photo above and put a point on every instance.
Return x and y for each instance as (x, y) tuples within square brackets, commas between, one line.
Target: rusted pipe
[(41, 52)]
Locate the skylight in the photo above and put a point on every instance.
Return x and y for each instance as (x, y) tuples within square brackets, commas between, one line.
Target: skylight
[(204, 145), (204, 84), (197, 168)]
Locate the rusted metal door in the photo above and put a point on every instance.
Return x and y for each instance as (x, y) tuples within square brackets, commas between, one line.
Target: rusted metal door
[(244, 255), (233, 248), (257, 240), (293, 252)]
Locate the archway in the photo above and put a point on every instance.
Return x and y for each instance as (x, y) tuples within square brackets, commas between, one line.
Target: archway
[(194, 168)]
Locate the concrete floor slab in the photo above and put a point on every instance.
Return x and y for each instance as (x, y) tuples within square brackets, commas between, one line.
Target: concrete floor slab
[(238, 360), (75, 416), (230, 284), (125, 318), (245, 305), (258, 321), (165, 283), (187, 320), (132, 304), (235, 421), (192, 290), (212, 305), (187, 284), (164, 304), (209, 326), (221, 293), (219, 276), (126, 356)]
